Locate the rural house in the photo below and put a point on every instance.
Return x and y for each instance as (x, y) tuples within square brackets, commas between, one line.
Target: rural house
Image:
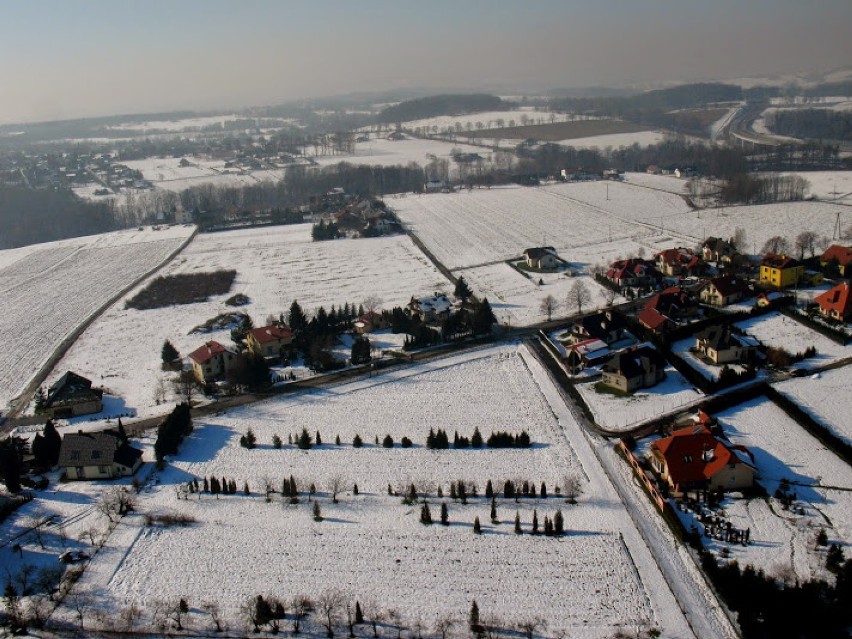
[(694, 458), (715, 249), (780, 271), (721, 291), (836, 302), (586, 354), (99, 455), (669, 306), (841, 256), (720, 346), (632, 272), (634, 368), (269, 341), (72, 395), (211, 361), (369, 322), (434, 308), (678, 262), (607, 326), (542, 257)]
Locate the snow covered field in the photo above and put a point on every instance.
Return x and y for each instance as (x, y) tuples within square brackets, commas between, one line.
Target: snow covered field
[(620, 413), (488, 119), (167, 173), (783, 449), (275, 266), (49, 290), (826, 397), (615, 140), (774, 329), (833, 186), (668, 183), (597, 579)]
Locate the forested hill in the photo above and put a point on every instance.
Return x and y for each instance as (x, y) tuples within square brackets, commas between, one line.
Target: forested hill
[(681, 97), (30, 216), (452, 104)]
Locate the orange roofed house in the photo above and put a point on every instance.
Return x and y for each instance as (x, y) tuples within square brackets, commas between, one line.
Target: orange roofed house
[(269, 341), (694, 458), (836, 303), (211, 361), (839, 255)]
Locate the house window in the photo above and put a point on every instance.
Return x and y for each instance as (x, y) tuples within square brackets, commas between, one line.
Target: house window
[(102, 470)]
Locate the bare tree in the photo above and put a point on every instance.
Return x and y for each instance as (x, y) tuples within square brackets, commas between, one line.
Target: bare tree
[(609, 296), (39, 609), (92, 533), (81, 605), (579, 296), (529, 626), (373, 614), (115, 503), (806, 241), (302, 607), (443, 625), (185, 386), (548, 306), (329, 605), (739, 239), (775, 244), (160, 391), (214, 611), (47, 578), (372, 304), (248, 611), (572, 488), (335, 484), (24, 579)]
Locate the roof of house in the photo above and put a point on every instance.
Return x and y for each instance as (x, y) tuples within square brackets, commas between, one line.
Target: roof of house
[(634, 362), (772, 260), (728, 284), (599, 325), (720, 338), (204, 354), (71, 388), (630, 267), (539, 252), (652, 318), (590, 348), (671, 301), (271, 333), (836, 299), (438, 303), (681, 257), (843, 254), (97, 449), (694, 454)]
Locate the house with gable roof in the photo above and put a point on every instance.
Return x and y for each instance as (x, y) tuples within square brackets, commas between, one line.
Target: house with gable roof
[(634, 368), (270, 341), (695, 458), (430, 309), (839, 255), (720, 345), (679, 262), (72, 395), (721, 291), (670, 306), (98, 455), (780, 270), (836, 302), (632, 272), (542, 257), (211, 361)]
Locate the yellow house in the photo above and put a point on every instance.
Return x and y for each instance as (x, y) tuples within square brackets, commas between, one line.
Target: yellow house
[(780, 271)]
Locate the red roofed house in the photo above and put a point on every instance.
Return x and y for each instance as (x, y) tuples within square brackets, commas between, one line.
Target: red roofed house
[(721, 291), (678, 261), (693, 458), (840, 254), (211, 361), (836, 302), (668, 306), (632, 272), (269, 341)]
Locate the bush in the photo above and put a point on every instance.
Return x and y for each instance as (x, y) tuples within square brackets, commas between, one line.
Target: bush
[(250, 441), (387, 442), (406, 443)]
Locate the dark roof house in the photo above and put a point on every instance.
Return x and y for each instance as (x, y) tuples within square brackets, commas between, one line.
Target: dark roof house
[(72, 395), (98, 455)]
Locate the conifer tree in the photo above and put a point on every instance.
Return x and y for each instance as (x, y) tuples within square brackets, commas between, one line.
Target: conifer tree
[(294, 492), (440, 491), (304, 440), (535, 522), (477, 528), (206, 485), (462, 290), (508, 489), (518, 530), (558, 524), (548, 526), (317, 512), (355, 489), (493, 510), (359, 614), (476, 440), (246, 490), (357, 442), (337, 441), (489, 490), (425, 515), (168, 353), (543, 491), (387, 442), (445, 514), (473, 618), (276, 442), (319, 439), (453, 494)]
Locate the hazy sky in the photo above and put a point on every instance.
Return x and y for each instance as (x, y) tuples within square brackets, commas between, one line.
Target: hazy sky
[(67, 58)]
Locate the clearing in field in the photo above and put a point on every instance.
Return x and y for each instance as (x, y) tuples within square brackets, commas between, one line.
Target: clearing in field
[(275, 266), (50, 290), (556, 131), (597, 578)]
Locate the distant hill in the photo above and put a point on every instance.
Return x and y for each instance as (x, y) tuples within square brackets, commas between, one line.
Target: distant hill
[(432, 106)]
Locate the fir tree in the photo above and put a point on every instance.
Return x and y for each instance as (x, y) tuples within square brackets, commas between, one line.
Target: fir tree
[(405, 442), (453, 494), (355, 489), (462, 290), (558, 524), (535, 522), (337, 441), (246, 490), (357, 442), (518, 530), (304, 441), (317, 512), (473, 618), (294, 491), (543, 491), (508, 489), (445, 514), (168, 353), (319, 439), (548, 526), (249, 440), (387, 442), (476, 440), (483, 318), (276, 442), (493, 510), (206, 485), (477, 528), (359, 615), (425, 515), (489, 490)]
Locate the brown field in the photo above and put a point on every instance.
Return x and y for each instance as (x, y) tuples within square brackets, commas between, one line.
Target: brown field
[(698, 119), (559, 130)]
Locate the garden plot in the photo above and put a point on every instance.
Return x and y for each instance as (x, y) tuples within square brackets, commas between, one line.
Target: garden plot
[(484, 226), (780, 331), (621, 412), (275, 266), (825, 397), (783, 449), (593, 581), (49, 290)]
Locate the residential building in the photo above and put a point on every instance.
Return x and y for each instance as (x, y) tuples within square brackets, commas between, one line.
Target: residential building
[(586, 354), (211, 361), (695, 458), (839, 255), (836, 302), (634, 368), (542, 257), (670, 306), (270, 341), (369, 322), (433, 308), (679, 262), (721, 291), (72, 395), (632, 272), (715, 249), (608, 326), (780, 271), (98, 455), (720, 345)]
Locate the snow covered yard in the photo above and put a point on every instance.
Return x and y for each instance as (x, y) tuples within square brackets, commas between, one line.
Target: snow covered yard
[(616, 412), (275, 266), (784, 450), (826, 397), (49, 290), (779, 331), (596, 579)]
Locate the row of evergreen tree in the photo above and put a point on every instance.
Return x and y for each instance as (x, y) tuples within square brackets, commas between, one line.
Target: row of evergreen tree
[(500, 439), (170, 433), (553, 527)]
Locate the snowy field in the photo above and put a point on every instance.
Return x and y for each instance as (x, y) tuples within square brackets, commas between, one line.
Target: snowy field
[(668, 183), (783, 449), (774, 329), (831, 186), (488, 119), (49, 290), (597, 579), (615, 140), (621, 413), (275, 266), (825, 397), (168, 174)]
